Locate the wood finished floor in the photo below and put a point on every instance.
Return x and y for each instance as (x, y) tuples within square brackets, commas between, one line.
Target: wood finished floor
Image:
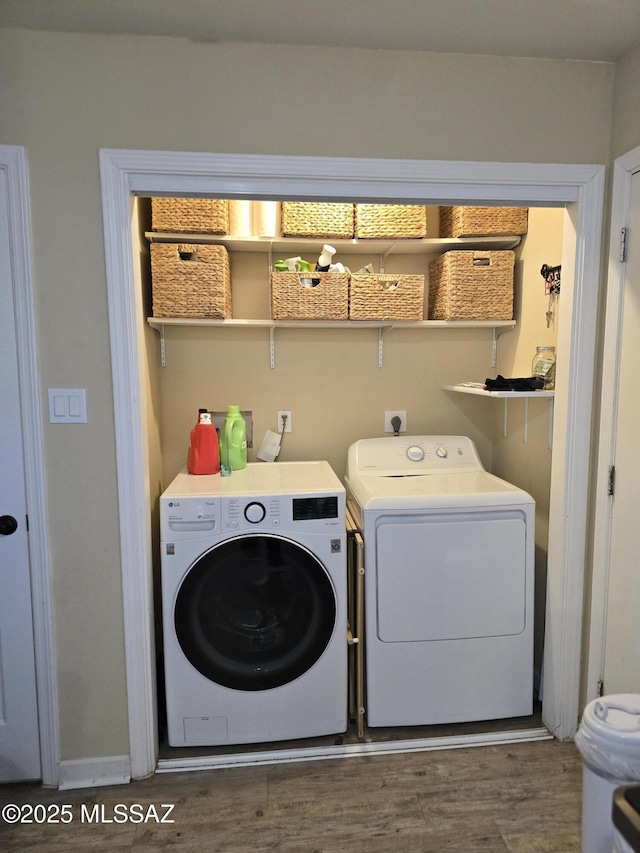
[(517, 798)]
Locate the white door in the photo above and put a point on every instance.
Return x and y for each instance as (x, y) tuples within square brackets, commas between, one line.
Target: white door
[(621, 672), (19, 739)]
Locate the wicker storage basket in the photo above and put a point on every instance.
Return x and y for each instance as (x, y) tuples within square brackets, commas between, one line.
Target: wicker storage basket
[(317, 219), (292, 300), (191, 215), (190, 281), (391, 221), (386, 297), (471, 286), (483, 221)]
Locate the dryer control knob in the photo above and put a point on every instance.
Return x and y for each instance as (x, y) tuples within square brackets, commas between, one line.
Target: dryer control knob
[(441, 452), (254, 512), (415, 453)]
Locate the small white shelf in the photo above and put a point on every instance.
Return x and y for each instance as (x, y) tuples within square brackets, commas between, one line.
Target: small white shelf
[(510, 395), (285, 245), (481, 392)]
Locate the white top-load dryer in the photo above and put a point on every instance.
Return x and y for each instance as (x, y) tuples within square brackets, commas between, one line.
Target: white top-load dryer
[(449, 574)]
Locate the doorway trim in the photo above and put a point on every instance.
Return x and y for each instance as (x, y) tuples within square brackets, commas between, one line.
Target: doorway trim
[(13, 162), (623, 169), (126, 173)]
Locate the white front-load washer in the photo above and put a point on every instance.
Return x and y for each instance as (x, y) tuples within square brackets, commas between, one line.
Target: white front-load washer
[(254, 595), (449, 574)]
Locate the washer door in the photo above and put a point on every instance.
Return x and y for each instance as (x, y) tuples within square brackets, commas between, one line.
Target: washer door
[(255, 612)]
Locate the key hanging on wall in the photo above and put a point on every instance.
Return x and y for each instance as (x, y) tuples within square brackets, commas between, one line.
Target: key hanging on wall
[(551, 276)]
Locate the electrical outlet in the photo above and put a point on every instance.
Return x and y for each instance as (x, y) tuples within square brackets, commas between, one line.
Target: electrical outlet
[(286, 412), (387, 421)]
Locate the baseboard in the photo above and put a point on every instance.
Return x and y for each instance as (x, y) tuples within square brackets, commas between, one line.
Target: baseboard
[(95, 772)]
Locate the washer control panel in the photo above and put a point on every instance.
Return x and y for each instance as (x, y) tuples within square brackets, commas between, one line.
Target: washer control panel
[(245, 513), (272, 512)]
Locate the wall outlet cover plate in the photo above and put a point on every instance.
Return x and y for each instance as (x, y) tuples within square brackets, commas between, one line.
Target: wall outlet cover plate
[(403, 420)]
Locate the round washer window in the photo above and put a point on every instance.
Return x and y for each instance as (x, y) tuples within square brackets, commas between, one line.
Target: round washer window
[(255, 612)]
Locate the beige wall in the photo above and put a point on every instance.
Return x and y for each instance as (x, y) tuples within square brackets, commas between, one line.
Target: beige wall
[(523, 456), (625, 133), (65, 96), (528, 465)]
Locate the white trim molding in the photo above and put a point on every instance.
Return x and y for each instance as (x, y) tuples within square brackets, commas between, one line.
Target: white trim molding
[(94, 772), (623, 169), (580, 187), (13, 161)]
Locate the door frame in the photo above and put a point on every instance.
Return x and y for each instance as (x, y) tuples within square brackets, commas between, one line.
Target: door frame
[(127, 173), (13, 162), (624, 168)]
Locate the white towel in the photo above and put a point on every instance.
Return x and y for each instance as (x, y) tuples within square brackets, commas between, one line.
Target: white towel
[(265, 218), (240, 218)]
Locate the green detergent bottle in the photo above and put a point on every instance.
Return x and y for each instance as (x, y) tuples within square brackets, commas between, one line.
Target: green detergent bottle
[(233, 442)]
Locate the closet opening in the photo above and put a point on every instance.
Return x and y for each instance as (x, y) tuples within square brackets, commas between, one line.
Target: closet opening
[(514, 436), (430, 352)]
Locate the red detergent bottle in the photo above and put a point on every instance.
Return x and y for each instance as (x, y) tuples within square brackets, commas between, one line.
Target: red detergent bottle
[(204, 452)]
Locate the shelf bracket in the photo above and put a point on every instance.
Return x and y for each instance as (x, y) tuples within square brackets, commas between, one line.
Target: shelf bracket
[(384, 255), (526, 421), (163, 347), (272, 347), (494, 345), (381, 331)]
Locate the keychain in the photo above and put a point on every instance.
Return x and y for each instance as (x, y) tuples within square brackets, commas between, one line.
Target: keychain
[(551, 276)]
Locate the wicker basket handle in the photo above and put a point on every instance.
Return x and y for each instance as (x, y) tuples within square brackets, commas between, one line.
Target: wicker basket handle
[(187, 253), (387, 282), (482, 260)]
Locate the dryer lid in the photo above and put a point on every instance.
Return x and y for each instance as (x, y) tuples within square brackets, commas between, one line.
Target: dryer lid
[(454, 490)]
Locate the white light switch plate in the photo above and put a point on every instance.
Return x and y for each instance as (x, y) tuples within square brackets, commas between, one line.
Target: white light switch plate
[(67, 406)]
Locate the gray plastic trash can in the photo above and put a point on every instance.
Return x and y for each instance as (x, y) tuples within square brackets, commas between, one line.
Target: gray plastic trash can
[(609, 743), (626, 819)]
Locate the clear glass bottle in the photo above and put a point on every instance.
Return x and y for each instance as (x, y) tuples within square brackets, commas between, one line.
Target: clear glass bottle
[(544, 366)]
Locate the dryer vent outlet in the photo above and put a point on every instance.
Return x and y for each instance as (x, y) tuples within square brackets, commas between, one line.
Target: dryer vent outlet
[(390, 424)]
